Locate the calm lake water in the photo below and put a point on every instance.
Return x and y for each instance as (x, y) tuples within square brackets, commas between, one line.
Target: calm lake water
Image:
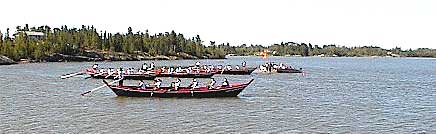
[(337, 95)]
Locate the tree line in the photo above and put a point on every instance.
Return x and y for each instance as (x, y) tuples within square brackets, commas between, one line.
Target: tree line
[(77, 41), (307, 49)]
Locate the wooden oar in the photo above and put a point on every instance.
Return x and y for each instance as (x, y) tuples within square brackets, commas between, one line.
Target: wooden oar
[(109, 74), (222, 71), (100, 87), (71, 75), (94, 75)]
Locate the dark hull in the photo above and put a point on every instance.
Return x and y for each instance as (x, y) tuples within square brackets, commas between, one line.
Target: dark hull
[(236, 72), (289, 71), (126, 77), (164, 93), (205, 75), (169, 94)]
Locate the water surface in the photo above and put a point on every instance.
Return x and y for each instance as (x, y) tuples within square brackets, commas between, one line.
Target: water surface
[(337, 95)]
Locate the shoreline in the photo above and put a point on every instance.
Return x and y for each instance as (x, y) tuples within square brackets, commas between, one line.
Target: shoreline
[(27, 61)]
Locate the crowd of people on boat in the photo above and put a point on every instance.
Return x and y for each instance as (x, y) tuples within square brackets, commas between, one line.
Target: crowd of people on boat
[(270, 66), (175, 85), (151, 68)]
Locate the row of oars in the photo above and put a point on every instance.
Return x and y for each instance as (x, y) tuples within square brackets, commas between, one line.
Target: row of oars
[(66, 76)]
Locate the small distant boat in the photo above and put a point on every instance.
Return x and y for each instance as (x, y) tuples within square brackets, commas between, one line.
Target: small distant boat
[(165, 92), (274, 68)]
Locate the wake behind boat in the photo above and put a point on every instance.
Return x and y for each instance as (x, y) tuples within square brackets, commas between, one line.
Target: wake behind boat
[(232, 90)]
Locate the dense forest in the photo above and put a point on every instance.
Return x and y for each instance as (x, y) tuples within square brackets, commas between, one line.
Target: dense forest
[(39, 43), (72, 41)]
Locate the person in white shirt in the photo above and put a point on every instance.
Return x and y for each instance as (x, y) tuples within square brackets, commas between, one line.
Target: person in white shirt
[(211, 83), (237, 67), (144, 67), (225, 83), (177, 84), (152, 65), (229, 67), (120, 76), (282, 66), (157, 83), (163, 69), (179, 69), (197, 64), (220, 67), (142, 85), (194, 84), (95, 66)]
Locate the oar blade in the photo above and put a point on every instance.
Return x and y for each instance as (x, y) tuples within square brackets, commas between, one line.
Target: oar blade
[(83, 94)]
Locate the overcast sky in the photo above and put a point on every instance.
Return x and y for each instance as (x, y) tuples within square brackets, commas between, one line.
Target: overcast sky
[(384, 23)]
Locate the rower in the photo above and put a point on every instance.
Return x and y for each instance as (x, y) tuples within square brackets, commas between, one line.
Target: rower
[(144, 67), (225, 83), (152, 65), (229, 67), (211, 83), (170, 70), (208, 70), (194, 84), (142, 85), (237, 67), (95, 66), (163, 70), (129, 71), (219, 67), (268, 67), (120, 77), (109, 71), (157, 83), (177, 84), (275, 66), (179, 69), (197, 64), (244, 64), (282, 66)]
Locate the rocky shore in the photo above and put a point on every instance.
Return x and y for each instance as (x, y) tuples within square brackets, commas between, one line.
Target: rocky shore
[(6, 61)]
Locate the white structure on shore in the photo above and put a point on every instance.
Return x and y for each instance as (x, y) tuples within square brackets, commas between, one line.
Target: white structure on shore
[(31, 34)]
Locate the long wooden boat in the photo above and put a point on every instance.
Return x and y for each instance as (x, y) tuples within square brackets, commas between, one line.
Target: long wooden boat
[(165, 92), (126, 76), (149, 75)]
